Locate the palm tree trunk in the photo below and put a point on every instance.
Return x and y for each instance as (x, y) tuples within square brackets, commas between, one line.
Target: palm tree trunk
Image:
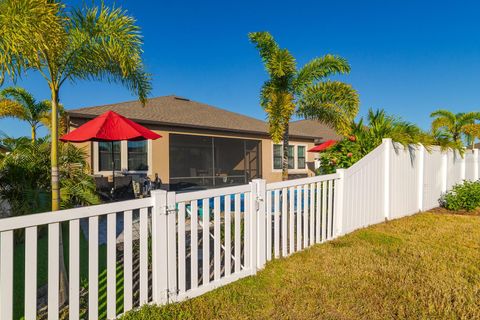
[(63, 294), (285, 153), (34, 134)]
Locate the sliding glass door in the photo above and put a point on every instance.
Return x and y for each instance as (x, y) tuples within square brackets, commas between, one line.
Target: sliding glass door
[(201, 162)]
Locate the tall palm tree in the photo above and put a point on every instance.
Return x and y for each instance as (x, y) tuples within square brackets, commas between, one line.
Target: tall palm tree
[(16, 102), (90, 43), (303, 91), (451, 125)]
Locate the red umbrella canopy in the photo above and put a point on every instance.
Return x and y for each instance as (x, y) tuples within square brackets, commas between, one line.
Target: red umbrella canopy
[(324, 146), (110, 126)]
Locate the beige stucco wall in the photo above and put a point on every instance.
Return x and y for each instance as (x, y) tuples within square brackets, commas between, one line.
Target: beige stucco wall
[(159, 158)]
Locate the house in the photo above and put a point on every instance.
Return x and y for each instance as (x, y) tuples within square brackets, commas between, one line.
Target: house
[(201, 146)]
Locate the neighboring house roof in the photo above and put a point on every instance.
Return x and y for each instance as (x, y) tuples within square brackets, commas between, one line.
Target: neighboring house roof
[(181, 112), (314, 128)]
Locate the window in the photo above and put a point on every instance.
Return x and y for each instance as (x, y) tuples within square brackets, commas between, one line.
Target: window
[(105, 156), (301, 157), (137, 156), (277, 156), (291, 157), (278, 152)]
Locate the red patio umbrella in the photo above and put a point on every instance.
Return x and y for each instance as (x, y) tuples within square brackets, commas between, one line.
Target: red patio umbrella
[(324, 146), (112, 127)]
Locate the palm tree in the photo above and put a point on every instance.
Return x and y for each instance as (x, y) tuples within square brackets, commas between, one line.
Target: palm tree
[(303, 91), (70, 44), (18, 103), (452, 127), (91, 43)]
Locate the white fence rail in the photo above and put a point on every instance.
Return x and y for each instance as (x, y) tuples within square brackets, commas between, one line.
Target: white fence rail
[(172, 247)]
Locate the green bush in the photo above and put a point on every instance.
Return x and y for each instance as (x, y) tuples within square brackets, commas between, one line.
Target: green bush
[(463, 196)]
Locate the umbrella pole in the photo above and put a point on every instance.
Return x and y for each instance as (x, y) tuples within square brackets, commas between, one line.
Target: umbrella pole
[(113, 173)]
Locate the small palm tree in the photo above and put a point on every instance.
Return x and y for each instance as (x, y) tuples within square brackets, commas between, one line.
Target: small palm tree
[(303, 91), (453, 127), (18, 103)]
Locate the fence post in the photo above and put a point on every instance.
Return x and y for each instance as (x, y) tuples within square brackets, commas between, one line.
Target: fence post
[(252, 234), (159, 247), (475, 164), (339, 199), (444, 171), (420, 172), (463, 160), (387, 143), (171, 246), (261, 225)]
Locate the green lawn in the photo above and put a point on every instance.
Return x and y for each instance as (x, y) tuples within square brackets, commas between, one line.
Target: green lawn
[(422, 267)]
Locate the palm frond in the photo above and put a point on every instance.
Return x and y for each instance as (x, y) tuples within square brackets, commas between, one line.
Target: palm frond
[(281, 64), (265, 44), (28, 27), (330, 102), (106, 44), (319, 68), (12, 109)]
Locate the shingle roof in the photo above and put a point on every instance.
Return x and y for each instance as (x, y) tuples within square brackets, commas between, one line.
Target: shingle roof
[(314, 128), (182, 112)]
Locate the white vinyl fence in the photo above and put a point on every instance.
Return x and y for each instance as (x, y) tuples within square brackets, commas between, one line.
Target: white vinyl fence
[(175, 246)]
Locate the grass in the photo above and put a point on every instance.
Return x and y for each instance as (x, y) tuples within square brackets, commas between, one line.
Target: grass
[(422, 267)]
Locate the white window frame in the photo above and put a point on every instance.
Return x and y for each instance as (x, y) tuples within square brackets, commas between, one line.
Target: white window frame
[(123, 159), (295, 157)]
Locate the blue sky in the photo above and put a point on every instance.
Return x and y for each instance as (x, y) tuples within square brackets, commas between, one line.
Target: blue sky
[(408, 57)]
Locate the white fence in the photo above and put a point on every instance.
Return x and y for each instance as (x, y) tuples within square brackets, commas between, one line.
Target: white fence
[(172, 247)]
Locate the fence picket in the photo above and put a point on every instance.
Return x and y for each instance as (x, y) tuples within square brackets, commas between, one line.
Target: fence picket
[(237, 235), (194, 244), (74, 270), (312, 214), (291, 233), (181, 248), (324, 211), (31, 273), (269, 226), (305, 215), (276, 227), (247, 250), (206, 241), (299, 218), (330, 209), (216, 240), (127, 261), (92, 268), (143, 255), (111, 265), (284, 222), (228, 236), (6, 272), (172, 284)]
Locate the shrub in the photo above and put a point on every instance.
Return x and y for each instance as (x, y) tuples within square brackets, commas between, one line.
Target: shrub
[(463, 196)]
